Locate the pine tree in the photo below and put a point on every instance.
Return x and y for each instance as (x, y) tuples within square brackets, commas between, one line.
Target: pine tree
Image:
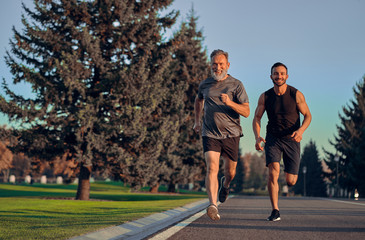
[(96, 70), (146, 105), (258, 172), (255, 171), (350, 144), (314, 180), (189, 67), (238, 180)]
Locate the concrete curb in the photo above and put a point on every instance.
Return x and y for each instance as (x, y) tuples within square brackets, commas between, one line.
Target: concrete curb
[(144, 227)]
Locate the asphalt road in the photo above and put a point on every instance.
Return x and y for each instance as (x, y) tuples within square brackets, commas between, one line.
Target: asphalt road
[(244, 217)]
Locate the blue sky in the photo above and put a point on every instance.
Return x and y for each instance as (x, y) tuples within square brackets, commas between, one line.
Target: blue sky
[(320, 41)]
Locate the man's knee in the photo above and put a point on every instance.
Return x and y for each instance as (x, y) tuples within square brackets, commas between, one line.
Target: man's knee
[(274, 172), (291, 183), (291, 179), (230, 175), (212, 170), (212, 161)]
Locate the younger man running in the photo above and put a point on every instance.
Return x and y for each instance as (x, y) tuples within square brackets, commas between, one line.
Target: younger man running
[(282, 103)]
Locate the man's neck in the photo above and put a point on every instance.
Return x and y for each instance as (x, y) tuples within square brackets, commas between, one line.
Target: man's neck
[(280, 90), (223, 78)]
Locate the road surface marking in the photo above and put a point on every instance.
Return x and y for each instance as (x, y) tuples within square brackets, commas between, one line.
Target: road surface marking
[(355, 203)]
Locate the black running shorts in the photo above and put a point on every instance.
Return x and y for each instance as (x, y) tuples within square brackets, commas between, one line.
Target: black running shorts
[(286, 147), (228, 147)]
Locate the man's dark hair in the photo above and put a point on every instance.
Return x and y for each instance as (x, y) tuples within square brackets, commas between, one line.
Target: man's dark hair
[(218, 52), (278, 64)]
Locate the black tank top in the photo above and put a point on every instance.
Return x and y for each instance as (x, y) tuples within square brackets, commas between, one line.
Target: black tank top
[(282, 112)]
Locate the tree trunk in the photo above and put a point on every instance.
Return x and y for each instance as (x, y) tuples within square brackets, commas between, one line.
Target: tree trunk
[(171, 188), (154, 189), (6, 174), (83, 189)]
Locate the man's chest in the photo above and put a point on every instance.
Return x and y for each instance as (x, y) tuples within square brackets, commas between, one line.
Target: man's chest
[(214, 91)]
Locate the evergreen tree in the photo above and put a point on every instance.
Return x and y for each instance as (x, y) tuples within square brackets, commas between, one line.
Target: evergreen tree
[(238, 181), (350, 144), (184, 156), (21, 166), (246, 162), (96, 70), (255, 171), (258, 172), (314, 180)]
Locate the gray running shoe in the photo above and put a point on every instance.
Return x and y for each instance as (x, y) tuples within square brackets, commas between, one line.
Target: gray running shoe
[(212, 212)]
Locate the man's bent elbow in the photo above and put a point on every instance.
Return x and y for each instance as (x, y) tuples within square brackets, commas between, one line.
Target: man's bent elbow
[(246, 113)]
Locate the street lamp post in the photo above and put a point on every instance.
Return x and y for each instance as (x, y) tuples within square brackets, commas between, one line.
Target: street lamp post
[(337, 160), (305, 182)]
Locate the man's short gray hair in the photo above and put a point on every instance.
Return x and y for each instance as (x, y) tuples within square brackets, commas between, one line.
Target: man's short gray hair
[(218, 52)]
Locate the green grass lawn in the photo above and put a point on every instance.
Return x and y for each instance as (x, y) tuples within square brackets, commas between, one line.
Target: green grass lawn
[(40, 211)]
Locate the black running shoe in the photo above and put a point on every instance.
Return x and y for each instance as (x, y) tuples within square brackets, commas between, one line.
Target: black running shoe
[(275, 216), (223, 192)]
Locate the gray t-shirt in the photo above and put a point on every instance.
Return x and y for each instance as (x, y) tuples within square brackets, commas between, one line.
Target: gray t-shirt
[(221, 121)]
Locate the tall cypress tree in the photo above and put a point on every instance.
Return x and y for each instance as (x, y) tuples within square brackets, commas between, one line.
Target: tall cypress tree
[(314, 179), (96, 70), (350, 144)]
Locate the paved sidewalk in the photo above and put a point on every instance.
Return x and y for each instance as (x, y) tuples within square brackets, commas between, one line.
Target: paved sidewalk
[(144, 227)]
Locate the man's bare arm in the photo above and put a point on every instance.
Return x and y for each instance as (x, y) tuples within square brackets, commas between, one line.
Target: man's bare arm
[(256, 123), (198, 107), (303, 109), (242, 109)]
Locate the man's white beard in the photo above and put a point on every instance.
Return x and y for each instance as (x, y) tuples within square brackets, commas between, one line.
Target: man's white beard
[(220, 76)]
